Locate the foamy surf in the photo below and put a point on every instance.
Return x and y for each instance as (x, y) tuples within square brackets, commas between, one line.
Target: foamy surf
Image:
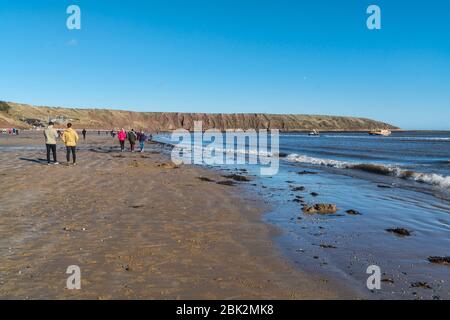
[(380, 169), (390, 138), (391, 170)]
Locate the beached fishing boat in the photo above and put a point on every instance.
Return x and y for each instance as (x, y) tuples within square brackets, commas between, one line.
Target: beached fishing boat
[(314, 133), (383, 132)]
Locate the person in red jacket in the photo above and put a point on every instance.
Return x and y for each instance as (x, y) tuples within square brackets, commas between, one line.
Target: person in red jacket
[(122, 135)]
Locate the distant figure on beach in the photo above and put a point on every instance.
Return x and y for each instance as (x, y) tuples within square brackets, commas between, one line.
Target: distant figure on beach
[(113, 134), (142, 138), (84, 134), (132, 139), (70, 139), (122, 135), (51, 135)]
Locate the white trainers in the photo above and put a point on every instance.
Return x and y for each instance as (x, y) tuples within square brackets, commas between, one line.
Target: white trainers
[(56, 162)]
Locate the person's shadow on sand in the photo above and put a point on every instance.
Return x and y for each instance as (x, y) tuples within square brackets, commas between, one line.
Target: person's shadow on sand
[(38, 160)]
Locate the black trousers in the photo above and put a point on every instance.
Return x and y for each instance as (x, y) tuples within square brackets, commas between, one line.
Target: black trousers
[(52, 148), (73, 151), (122, 144)]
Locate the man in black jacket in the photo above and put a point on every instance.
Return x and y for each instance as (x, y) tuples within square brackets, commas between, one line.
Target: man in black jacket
[(132, 139)]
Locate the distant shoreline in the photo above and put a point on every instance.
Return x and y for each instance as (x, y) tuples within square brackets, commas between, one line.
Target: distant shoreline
[(281, 131)]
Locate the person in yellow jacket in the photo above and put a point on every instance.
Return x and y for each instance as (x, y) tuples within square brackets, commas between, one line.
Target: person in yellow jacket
[(70, 139)]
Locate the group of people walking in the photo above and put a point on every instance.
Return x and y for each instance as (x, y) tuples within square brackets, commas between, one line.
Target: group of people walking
[(84, 132), (11, 131), (70, 139), (132, 137)]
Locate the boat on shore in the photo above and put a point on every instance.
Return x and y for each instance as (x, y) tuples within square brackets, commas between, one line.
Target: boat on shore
[(382, 132)]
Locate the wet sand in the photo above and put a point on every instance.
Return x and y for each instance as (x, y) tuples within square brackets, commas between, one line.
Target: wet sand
[(138, 228)]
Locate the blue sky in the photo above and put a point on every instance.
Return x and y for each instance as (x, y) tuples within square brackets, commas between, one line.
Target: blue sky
[(314, 57)]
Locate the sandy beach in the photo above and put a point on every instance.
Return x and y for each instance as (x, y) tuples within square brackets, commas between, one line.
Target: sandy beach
[(138, 228)]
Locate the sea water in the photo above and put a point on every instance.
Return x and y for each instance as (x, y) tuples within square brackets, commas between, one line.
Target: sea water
[(399, 181)]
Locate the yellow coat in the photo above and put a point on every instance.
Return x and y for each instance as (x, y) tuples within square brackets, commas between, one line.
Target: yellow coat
[(70, 137)]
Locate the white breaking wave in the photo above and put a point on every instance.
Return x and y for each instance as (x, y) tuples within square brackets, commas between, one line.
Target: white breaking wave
[(412, 138), (393, 170), (293, 157), (233, 150), (428, 178), (432, 178)]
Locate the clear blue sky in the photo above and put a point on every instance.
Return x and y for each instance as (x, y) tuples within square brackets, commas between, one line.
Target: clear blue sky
[(270, 56)]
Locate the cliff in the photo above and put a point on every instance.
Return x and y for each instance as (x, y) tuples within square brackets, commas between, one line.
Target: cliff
[(26, 116)]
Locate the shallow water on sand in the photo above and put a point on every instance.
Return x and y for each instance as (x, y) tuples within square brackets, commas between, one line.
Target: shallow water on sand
[(361, 240)]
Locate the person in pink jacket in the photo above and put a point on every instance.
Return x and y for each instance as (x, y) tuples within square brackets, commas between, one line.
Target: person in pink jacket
[(122, 135)]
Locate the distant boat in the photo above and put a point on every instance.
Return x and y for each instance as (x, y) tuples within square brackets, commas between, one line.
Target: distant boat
[(314, 133), (383, 132)]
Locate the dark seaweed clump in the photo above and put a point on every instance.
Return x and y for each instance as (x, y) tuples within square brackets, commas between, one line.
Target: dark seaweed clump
[(373, 168), (237, 177), (400, 231)]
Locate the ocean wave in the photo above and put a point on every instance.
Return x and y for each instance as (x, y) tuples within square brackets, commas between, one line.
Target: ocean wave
[(205, 150), (390, 137), (293, 157), (387, 170)]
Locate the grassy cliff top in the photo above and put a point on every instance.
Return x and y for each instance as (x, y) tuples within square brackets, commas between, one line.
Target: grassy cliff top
[(26, 116)]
